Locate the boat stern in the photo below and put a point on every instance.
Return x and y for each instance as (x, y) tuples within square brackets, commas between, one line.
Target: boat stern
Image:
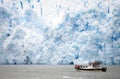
[(77, 66)]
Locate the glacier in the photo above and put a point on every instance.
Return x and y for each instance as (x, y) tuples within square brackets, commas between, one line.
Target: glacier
[(59, 31)]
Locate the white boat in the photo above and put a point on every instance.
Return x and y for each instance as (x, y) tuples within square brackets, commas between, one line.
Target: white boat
[(92, 66)]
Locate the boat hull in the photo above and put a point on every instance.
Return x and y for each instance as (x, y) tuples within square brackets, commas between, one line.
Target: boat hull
[(104, 69)]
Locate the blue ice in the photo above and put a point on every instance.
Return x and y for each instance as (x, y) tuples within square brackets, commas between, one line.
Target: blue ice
[(36, 32)]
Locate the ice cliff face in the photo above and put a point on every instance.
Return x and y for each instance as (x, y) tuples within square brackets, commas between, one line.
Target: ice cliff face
[(59, 31)]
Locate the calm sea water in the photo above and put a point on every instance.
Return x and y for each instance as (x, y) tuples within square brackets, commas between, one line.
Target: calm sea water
[(55, 72)]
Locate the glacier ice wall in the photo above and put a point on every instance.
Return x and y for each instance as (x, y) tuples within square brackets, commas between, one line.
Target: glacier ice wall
[(59, 31)]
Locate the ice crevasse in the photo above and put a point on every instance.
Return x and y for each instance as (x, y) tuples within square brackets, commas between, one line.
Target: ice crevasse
[(59, 31)]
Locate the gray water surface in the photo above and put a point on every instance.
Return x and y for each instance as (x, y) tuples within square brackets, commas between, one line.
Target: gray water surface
[(55, 72)]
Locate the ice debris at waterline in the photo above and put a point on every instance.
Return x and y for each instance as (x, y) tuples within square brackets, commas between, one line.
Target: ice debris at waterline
[(59, 31)]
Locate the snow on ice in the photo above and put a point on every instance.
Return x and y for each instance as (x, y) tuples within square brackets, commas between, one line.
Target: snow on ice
[(59, 31)]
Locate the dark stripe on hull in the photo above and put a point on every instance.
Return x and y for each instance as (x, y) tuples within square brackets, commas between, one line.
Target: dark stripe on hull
[(102, 69)]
